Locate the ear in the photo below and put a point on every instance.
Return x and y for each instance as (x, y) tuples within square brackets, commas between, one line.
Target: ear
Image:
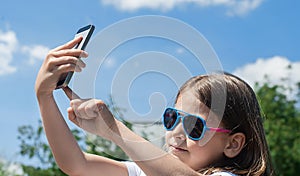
[(235, 144)]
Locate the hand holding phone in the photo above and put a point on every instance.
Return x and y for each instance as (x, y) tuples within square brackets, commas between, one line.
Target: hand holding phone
[(86, 32)]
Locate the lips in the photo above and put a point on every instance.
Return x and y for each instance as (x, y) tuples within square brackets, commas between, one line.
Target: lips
[(177, 149)]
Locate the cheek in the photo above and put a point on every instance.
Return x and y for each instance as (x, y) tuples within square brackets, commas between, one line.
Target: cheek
[(168, 136), (199, 155), (202, 156)]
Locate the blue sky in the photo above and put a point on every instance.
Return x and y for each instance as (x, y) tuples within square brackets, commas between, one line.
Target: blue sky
[(250, 37)]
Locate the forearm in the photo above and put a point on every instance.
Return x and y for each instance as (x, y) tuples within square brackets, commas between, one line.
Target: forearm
[(65, 149), (153, 160)]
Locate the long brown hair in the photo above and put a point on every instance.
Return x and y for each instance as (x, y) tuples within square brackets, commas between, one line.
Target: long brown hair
[(241, 114)]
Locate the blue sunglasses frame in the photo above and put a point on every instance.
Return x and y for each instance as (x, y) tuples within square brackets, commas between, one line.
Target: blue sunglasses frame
[(187, 115)]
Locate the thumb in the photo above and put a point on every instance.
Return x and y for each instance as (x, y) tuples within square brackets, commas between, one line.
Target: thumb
[(72, 116)]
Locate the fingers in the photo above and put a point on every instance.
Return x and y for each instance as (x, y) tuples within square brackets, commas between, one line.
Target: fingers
[(66, 56), (87, 109), (72, 117), (59, 63), (70, 44), (93, 116), (66, 68), (70, 52), (91, 110), (70, 93)]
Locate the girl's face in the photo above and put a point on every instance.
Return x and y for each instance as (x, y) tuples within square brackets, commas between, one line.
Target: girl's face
[(191, 152)]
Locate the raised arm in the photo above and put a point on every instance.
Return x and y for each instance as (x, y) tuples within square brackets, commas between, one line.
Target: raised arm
[(94, 116), (65, 149)]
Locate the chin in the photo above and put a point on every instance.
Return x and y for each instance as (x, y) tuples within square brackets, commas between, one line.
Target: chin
[(171, 153), (174, 156)]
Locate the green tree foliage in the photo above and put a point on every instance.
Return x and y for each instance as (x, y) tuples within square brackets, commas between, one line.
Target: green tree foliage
[(34, 146), (282, 125), (3, 169)]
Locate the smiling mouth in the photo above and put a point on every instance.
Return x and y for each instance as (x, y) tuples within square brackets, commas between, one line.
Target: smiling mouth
[(177, 149)]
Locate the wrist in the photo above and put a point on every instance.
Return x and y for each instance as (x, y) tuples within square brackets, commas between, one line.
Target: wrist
[(115, 133), (122, 135), (44, 95)]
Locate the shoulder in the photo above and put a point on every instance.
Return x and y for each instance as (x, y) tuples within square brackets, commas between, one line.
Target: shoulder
[(133, 169), (223, 174)]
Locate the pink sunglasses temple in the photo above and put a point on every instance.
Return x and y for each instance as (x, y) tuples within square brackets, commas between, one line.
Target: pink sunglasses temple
[(220, 130)]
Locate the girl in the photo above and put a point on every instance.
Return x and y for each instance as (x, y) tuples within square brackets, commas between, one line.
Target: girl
[(236, 147)]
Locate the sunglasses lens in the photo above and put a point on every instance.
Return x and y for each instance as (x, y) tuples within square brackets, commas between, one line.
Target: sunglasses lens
[(170, 117), (193, 126)]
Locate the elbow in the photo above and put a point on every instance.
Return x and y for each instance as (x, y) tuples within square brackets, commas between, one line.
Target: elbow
[(72, 169), (73, 172)]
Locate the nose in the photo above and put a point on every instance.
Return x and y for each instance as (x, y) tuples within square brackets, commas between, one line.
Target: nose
[(178, 132)]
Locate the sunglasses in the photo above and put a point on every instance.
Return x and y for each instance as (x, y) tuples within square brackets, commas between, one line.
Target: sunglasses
[(194, 126)]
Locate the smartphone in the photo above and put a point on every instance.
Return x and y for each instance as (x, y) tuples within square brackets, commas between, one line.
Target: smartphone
[(86, 32)]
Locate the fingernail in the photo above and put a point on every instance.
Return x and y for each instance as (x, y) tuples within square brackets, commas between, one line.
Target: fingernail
[(78, 69), (100, 108), (83, 65), (80, 63), (84, 54)]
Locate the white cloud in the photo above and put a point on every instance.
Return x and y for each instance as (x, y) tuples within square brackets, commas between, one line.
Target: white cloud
[(35, 52), (242, 7), (8, 45), (234, 7), (276, 68)]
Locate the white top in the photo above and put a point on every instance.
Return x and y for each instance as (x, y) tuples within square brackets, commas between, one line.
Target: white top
[(135, 170)]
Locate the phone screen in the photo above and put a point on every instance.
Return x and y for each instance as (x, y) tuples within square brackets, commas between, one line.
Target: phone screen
[(86, 32)]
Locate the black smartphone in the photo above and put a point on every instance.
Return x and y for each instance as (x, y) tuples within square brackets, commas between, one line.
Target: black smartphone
[(86, 32)]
